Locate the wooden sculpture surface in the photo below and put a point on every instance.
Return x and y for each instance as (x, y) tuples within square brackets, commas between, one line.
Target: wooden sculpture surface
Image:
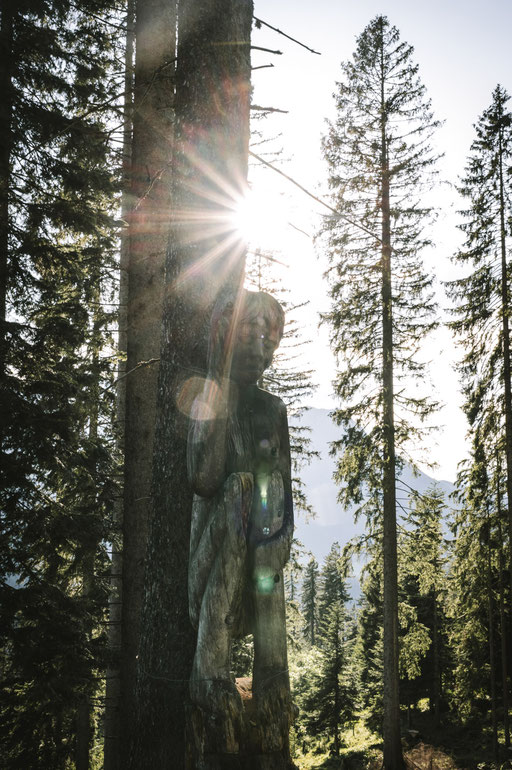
[(242, 519)]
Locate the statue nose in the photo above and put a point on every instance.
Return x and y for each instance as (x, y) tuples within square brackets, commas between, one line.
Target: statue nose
[(257, 349)]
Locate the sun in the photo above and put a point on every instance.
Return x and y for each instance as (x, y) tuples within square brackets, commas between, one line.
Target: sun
[(261, 217)]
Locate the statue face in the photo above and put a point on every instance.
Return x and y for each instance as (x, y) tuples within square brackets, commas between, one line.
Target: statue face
[(255, 343)]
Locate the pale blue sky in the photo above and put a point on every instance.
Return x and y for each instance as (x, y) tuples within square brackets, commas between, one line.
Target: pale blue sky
[(463, 49)]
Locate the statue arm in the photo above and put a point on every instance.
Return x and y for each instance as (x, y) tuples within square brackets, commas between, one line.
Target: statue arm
[(207, 438)]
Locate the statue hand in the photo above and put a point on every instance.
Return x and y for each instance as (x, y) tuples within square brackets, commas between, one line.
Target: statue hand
[(273, 553)]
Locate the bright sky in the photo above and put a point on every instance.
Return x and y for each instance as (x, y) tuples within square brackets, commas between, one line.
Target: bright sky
[(463, 50)]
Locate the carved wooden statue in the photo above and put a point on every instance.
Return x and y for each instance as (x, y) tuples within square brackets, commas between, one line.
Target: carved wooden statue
[(242, 527)]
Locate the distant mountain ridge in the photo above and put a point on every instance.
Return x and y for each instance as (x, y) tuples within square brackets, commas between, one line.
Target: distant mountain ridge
[(332, 523)]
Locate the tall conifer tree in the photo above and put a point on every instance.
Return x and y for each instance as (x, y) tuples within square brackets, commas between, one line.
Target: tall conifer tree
[(423, 583), (57, 254), (309, 601), (379, 159), (482, 298), (469, 601), (333, 589)]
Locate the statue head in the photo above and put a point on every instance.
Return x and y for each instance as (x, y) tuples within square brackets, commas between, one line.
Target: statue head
[(257, 335), (248, 331)]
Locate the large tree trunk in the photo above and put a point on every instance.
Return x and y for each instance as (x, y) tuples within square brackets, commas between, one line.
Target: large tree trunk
[(112, 742), (84, 726), (392, 742), (205, 256), (492, 657), (393, 759), (6, 106), (503, 616), (149, 220), (435, 705)]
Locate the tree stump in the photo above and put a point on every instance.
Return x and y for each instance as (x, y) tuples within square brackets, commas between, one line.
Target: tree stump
[(256, 739)]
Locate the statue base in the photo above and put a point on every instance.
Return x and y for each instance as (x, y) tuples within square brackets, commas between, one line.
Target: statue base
[(256, 740)]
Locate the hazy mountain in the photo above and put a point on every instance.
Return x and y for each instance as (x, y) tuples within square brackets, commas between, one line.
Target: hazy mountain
[(332, 522)]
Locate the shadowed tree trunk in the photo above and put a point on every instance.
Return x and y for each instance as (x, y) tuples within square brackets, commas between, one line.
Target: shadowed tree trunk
[(149, 222), (435, 706), (205, 256), (377, 148), (503, 615), (6, 31), (392, 745), (112, 743), (492, 656), (505, 310), (84, 725)]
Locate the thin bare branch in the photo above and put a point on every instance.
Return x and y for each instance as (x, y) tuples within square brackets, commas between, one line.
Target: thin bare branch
[(314, 197), (259, 22), (257, 108), (140, 365), (268, 50)]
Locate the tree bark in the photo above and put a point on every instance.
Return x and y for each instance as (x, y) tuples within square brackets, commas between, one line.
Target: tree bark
[(393, 759), (149, 224), (492, 657), (6, 107), (436, 674), (205, 256), (503, 617), (84, 727), (112, 743), (337, 719)]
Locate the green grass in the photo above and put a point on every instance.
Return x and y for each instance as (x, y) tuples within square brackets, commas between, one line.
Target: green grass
[(358, 744), (449, 746)]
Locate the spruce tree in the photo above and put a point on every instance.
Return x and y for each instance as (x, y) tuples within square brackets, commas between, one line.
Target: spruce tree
[(482, 298), (324, 682), (334, 698), (423, 586), (471, 602), (333, 589), (330, 702), (58, 484), (380, 162), (368, 650), (309, 601)]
